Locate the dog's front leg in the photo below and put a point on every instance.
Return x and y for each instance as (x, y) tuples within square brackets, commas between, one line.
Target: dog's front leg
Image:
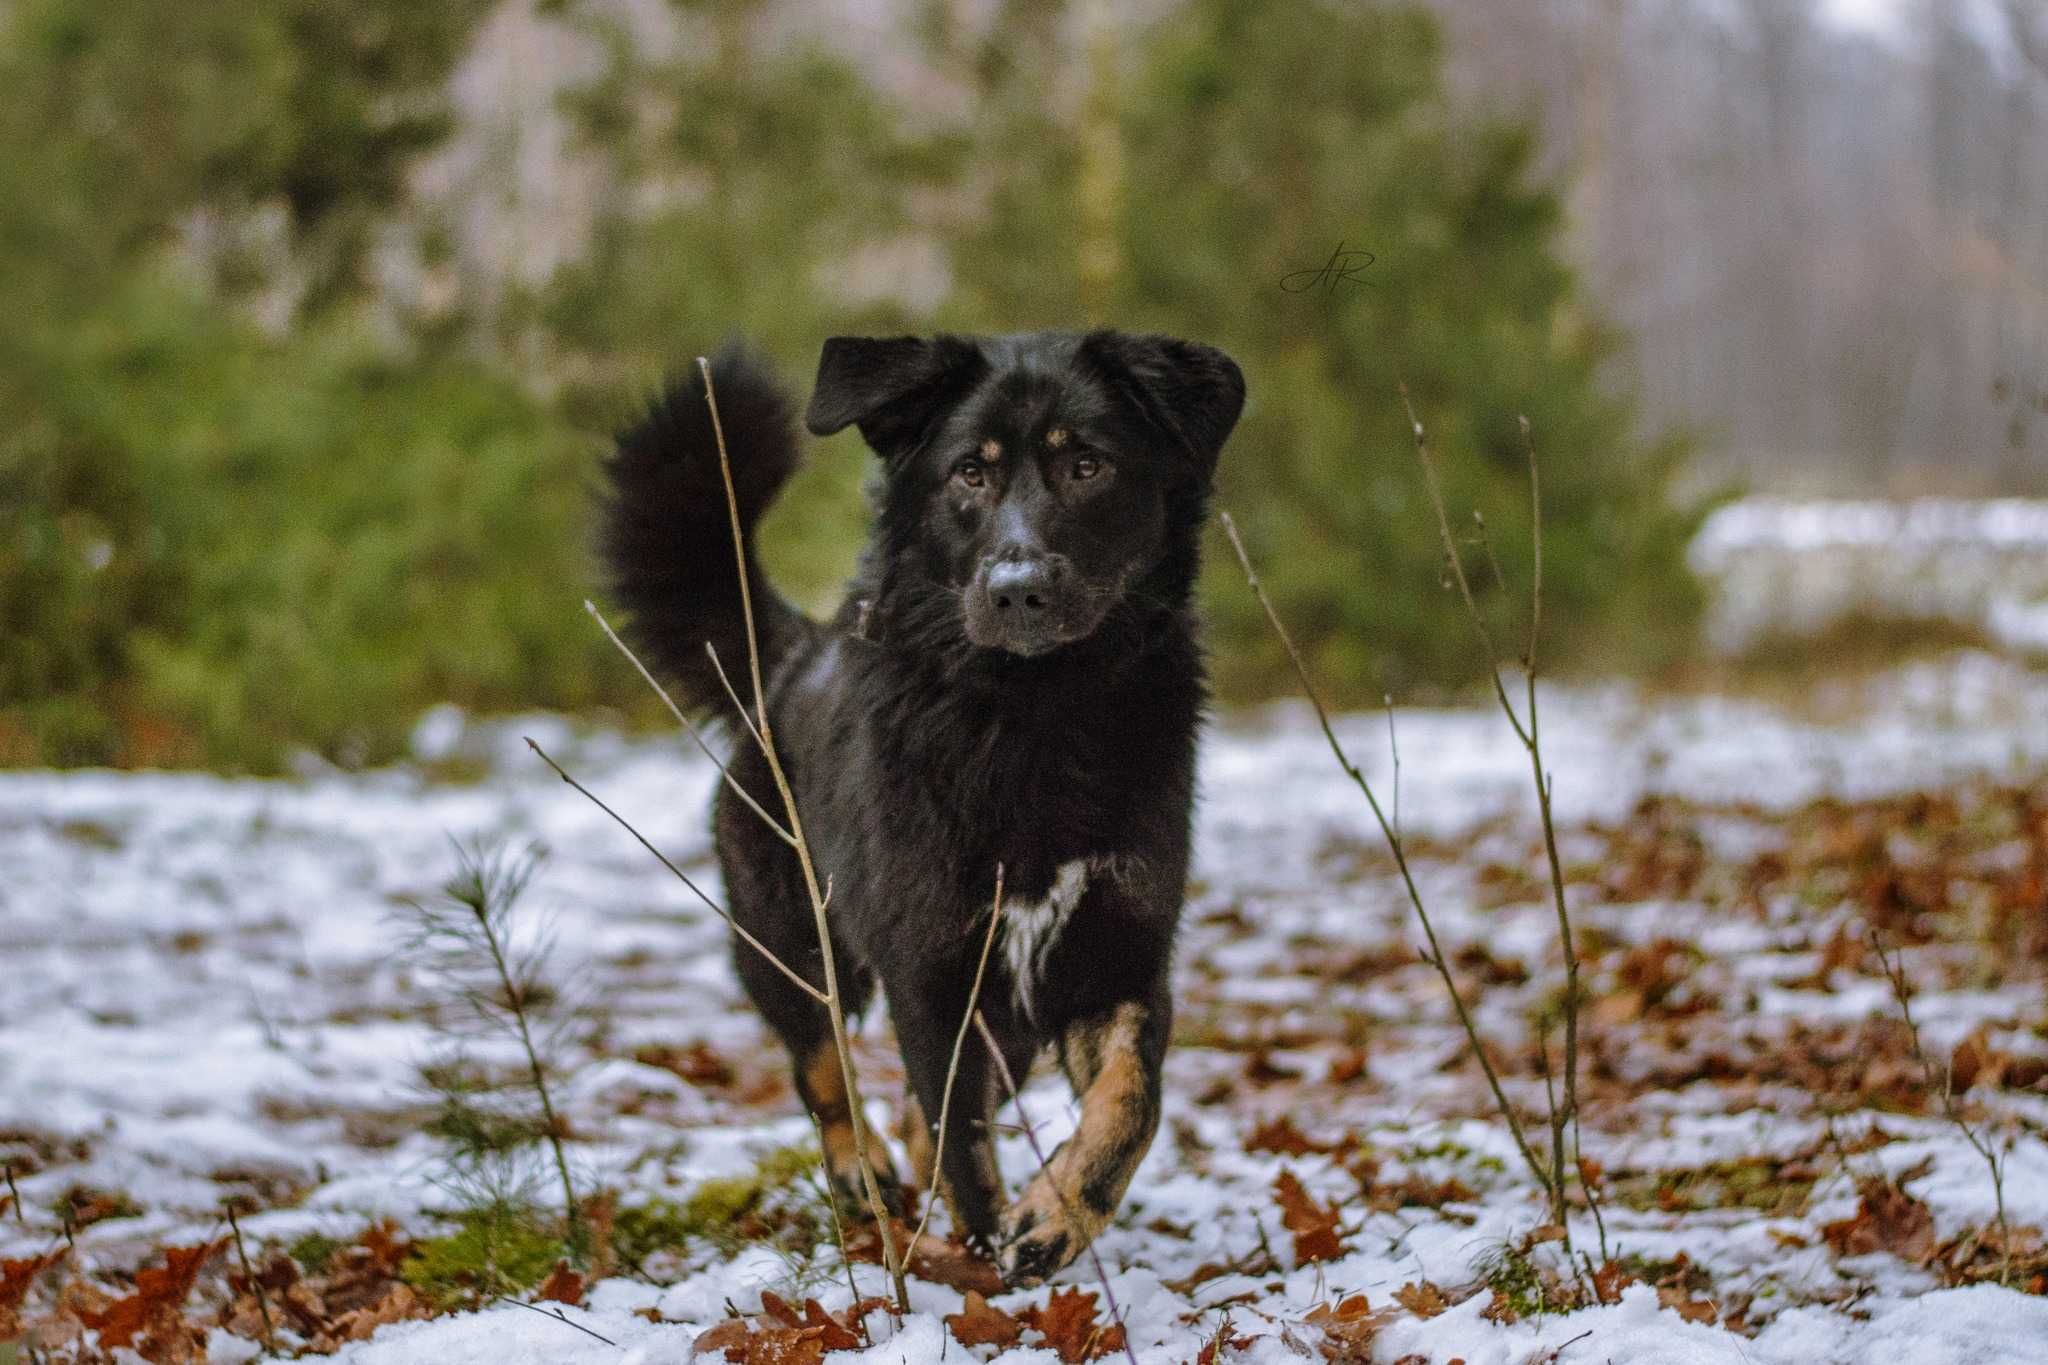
[(968, 1180), (1113, 1059)]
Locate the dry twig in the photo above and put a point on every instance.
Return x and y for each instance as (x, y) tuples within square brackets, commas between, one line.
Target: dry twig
[(764, 734), (684, 720), (681, 876), (557, 1315), (1944, 1085), (249, 1274), (1398, 848), (1530, 733)]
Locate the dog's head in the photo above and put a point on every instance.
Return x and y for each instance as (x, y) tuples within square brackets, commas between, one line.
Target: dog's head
[(1034, 483)]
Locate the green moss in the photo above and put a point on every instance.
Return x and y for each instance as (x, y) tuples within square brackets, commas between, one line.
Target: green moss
[(500, 1249), (1764, 1186), (314, 1251), (1508, 1272), (770, 1202)]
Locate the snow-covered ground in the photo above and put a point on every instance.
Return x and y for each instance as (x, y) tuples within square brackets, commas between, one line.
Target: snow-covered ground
[(202, 993), (1782, 566)]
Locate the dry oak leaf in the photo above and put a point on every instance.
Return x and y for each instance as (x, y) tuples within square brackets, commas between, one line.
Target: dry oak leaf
[(1199, 1276), (1348, 1328), (1886, 1219), (1423, 1299), (1281, 1137), (1688, 1307), (1224, 1340), (562, 1285), (388, 1247), (1067, 1322), (780, 1335), (1314, 1226), (980, 1324), (1609, 1280), (16, 1279), (931, 1258), (399, 1304), (159, 1297)]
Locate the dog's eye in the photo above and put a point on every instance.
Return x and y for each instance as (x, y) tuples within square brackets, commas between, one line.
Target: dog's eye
[(1087, 467), (969, 472)]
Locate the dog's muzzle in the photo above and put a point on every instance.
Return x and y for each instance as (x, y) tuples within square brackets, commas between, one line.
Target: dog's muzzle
[(1027, 605)]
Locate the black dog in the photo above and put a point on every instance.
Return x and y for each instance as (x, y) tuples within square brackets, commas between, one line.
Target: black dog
[(1014, 680)]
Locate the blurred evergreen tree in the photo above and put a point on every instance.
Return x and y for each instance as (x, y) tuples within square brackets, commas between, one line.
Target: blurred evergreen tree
[(246, 505), (220, 540), (1257, 139), (779, 180)]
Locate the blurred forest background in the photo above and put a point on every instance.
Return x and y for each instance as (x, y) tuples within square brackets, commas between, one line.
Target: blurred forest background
[(317, 311)]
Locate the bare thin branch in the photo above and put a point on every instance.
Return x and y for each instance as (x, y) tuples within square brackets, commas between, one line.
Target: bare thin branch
[(249, 1274), (747, 721), (1399, 850), (1895, 974), (683, 720), (557, 1315), (1457, 562), (764, 735), (683, 877), (1528, 731)]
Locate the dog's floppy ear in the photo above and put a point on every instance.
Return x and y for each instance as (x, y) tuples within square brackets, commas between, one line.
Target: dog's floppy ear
[(892, 387), (1192, 392)]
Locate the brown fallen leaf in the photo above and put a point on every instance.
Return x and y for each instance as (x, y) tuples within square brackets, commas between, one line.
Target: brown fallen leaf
[(978, 1323), (934, 1258), (1423, 1299), (1314, 1226), (155, 1309), (1688, 1307), (1196, 1278), (1609, 1280), (400, 1305), (16, 1279), (729, 1336), (1067, 1322), (1282, 1137), (1348, 1328), (562, 1285), (1500, 1308), (388, 1247), (1886, 1219), (780, 1335)]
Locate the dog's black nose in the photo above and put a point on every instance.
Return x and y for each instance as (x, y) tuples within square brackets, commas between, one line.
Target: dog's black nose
[(1021, 585)]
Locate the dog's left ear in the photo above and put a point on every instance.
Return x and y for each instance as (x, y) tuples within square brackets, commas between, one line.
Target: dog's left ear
[(892, 387), (1192, 392)]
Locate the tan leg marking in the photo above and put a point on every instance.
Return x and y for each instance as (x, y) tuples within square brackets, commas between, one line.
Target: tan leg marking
[(825, 1090), (916, 1135), (1064, 1207)]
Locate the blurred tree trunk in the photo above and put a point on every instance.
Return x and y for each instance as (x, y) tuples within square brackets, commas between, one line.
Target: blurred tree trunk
[(1100, 183)]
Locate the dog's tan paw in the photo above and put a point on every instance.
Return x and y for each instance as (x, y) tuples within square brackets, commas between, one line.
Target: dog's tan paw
[(1042, 1234)]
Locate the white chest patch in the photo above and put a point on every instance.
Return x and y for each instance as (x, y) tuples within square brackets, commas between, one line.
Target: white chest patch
[(1031, 928)]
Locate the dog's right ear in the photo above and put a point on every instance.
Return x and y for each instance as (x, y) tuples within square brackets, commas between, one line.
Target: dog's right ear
[(891, 387)]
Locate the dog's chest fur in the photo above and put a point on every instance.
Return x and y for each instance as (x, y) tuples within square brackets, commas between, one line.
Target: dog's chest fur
[(1032, 928)]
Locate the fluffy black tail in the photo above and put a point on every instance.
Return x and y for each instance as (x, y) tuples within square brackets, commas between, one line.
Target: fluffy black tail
[(665, 535)]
